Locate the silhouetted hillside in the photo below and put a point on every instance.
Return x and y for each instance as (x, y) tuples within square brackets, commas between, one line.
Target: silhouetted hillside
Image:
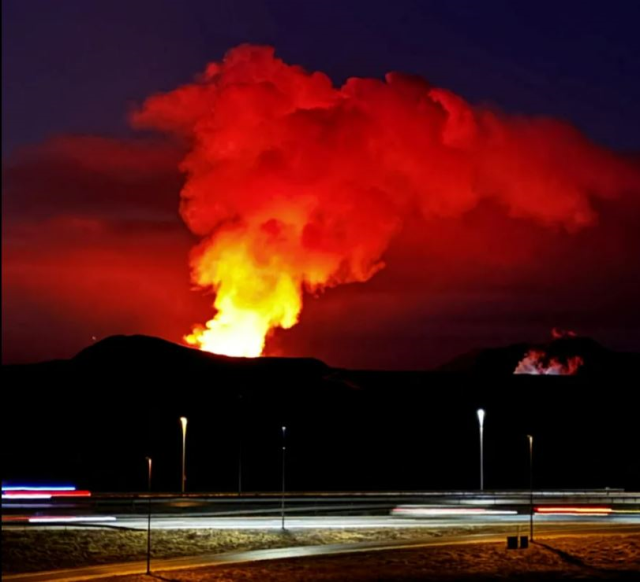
[(150, 355), (598, 361), (94, 418)]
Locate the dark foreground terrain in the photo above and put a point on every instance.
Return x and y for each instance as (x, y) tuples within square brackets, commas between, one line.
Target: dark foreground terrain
[(93, 420), (611, 557)]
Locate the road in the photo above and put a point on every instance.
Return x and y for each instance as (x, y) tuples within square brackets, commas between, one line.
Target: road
[(169, 522), (619, 511), (380, 504)]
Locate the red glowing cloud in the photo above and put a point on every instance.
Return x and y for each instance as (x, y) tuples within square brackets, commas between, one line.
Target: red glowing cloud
[(92, 245), (295, 185), (480, 228)]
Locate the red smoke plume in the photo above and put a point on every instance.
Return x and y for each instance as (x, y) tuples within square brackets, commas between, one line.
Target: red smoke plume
[(295, 185), (538, 362), (557, 333)]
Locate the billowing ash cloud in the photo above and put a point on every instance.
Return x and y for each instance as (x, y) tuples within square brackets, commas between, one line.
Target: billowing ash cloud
[(295, 185)]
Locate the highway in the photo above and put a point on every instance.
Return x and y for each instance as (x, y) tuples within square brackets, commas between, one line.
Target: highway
[(139, 522), (313, 510), (130, 508), (263, 511), (444, 514)]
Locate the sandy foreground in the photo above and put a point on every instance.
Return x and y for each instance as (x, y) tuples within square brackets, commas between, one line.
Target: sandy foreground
[(596, 557), (35, 549), (593, 557)]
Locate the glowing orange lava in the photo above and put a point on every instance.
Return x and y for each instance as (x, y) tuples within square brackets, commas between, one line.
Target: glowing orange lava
[(251, 300), (240, 327)]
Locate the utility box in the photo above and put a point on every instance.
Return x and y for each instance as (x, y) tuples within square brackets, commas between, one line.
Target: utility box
[(524, 542), (512, 542)]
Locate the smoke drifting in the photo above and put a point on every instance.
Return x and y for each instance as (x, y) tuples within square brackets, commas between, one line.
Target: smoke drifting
[(294, 185), (557, 333), (538, 362)]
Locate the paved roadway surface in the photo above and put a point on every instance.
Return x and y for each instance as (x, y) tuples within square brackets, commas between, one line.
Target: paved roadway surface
[(307, 504), (351, 522)]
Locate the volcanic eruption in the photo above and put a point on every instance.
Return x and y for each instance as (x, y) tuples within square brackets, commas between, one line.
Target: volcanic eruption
[(294, 185), (541, 361)]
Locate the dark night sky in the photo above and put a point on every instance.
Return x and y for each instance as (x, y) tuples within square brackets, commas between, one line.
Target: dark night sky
[(93, 244)]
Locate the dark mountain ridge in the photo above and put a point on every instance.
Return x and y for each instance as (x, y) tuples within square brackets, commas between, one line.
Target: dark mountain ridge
[(94, 418)]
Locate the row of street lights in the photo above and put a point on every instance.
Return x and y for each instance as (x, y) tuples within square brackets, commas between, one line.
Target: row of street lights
[(183, 423), (481, 415)]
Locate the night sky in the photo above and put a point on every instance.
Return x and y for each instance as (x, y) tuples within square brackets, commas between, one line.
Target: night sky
[(93, 243)]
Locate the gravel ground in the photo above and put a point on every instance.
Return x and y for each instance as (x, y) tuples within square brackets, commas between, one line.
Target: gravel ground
[(595, 557), (34, 549)]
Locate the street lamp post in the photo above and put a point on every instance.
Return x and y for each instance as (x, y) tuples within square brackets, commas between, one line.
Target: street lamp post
[(240, 465), (481, 423), (284, 448), (149, 518), (239, 444), (183, 422), (530, 486)]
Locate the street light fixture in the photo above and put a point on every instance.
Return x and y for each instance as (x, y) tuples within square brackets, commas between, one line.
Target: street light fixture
[(481, 423), (149, 518), (284, 448), (530, 486), (239, 444), (183, 422)]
